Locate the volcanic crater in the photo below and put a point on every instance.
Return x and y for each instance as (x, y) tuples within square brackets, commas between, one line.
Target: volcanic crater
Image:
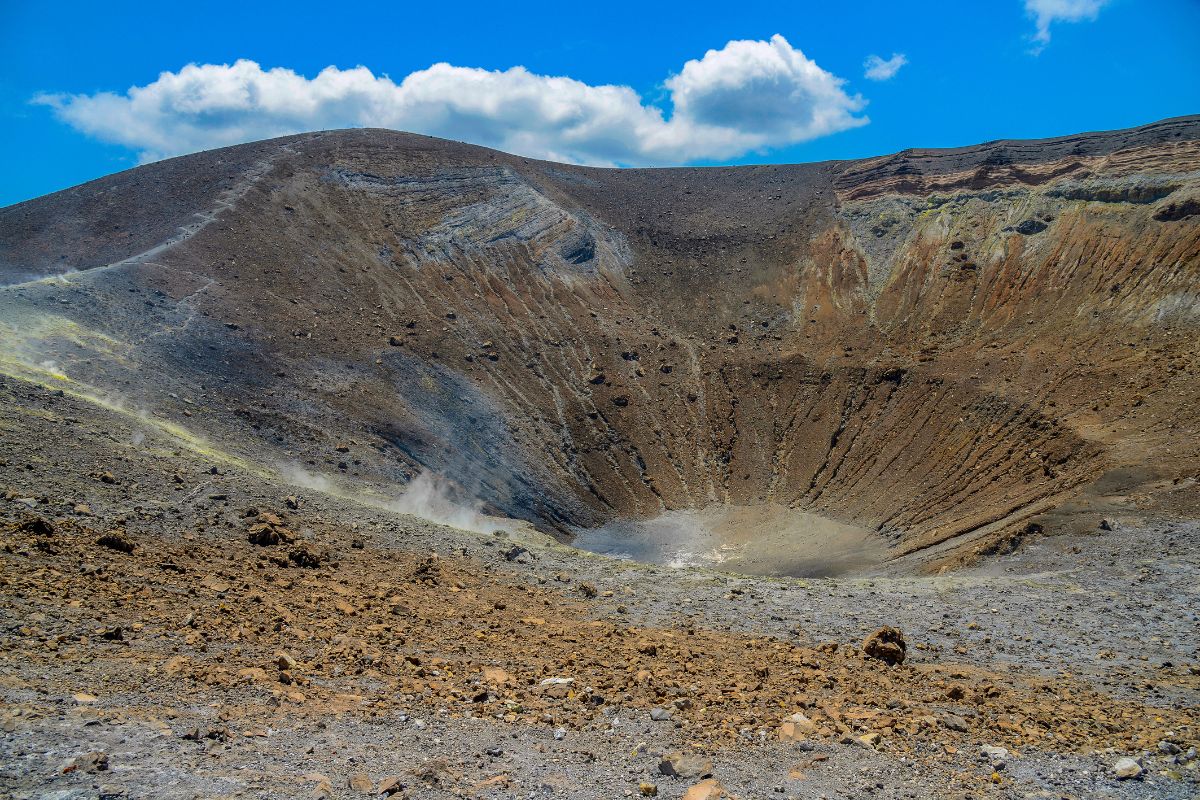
[(894, 363)]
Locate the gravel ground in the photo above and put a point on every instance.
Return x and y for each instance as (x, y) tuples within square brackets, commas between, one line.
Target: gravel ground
[(1113, 611)]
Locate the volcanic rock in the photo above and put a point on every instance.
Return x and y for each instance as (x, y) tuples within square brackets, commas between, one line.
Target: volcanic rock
[(117, 540), (685, 765), (885, 644), (709, 789), (37, 526), (1127, 768)]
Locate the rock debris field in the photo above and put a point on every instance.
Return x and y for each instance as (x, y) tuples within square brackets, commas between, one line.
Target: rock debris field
[(237, 638)]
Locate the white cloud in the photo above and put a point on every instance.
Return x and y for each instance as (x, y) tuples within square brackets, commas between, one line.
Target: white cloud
[(1047, 12), (879, 70), (747, 96)]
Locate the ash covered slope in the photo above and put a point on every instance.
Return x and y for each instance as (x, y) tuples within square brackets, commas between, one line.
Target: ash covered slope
[(936, 344)]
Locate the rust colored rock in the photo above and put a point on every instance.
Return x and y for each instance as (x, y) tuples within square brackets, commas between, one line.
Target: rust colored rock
[(307, 557), (709, 789), (887, 645)]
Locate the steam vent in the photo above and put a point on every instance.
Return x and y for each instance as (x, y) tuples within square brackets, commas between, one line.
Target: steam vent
[(366, 427)]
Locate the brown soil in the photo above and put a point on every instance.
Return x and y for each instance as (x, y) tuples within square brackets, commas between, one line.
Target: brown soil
[(379, 629)]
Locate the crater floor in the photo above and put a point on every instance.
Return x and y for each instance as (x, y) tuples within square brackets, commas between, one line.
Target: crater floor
[(752, 540)]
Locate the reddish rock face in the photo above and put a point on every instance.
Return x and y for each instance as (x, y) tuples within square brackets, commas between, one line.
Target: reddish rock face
[(933, 345)]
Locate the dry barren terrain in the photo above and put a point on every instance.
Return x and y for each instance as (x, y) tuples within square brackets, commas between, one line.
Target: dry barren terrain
[(889, 470)]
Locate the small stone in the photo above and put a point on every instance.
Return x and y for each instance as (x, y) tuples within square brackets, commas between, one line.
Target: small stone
[(796, 728), (1127, 768), (116, 540), (38, 526), (646, 789), (390, 786), (869, 740), (495, 676), (95, 761), (518, 554), (886, 644), (359, 782), (660, 715), (705, 790), (307, 557), (997, 756), (953, 722), (560, 734), (685, 765)]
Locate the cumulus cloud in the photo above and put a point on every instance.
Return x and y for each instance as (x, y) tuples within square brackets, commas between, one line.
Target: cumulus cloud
[(1046, 12), (876, 69), (748, 96)]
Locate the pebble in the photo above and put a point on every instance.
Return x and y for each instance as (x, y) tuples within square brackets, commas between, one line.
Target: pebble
[(953, 722), (997, 756), (685, 765), (869, 740), (1127, 768)]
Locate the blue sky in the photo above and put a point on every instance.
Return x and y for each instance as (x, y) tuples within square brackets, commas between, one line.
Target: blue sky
[(972, 71)]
